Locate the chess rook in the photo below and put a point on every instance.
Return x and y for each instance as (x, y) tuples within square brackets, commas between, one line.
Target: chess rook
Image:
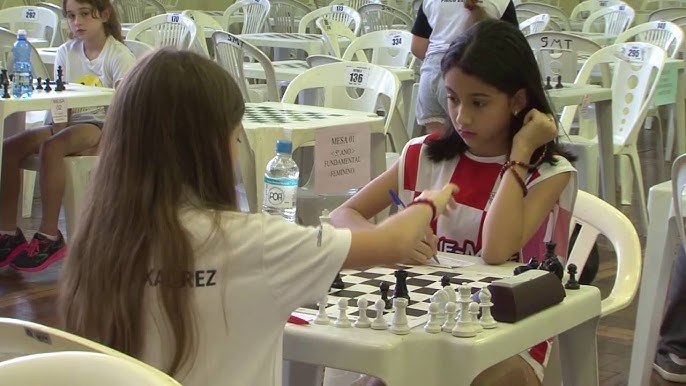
[(400, 290), (399, 324)]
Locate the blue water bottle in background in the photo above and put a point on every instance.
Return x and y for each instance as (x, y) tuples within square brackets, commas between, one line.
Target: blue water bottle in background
[(281, 183), (21, 87)]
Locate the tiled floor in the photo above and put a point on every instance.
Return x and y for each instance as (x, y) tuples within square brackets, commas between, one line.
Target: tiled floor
[(32, 296)]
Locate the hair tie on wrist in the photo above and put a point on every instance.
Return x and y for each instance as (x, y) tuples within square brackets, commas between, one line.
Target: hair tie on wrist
[(427, 202)]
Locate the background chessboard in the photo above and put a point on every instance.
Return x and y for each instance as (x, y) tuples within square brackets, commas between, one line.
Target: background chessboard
[(422, 282), (271, 114)]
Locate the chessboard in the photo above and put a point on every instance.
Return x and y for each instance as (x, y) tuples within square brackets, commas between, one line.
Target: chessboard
[(271, 114), (422, 282)]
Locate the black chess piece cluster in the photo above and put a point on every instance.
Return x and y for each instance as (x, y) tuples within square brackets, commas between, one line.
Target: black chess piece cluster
[(338, 282), (550, 263), (445, 281)]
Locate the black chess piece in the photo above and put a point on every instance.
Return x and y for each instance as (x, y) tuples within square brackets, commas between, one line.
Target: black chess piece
[(400, 290), (559, 82), (445, 281), (532, 264), (384, 288), (572, 284), (551, 263), (3, 76), (39, 83), (338, 282), (59, 86), (548, 86), (47, 85), (5, 89)]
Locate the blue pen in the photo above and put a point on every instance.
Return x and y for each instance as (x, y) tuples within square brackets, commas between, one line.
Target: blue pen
[(397, 201)]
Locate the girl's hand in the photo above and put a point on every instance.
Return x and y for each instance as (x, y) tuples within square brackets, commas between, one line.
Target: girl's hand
[(537, 130), (443, 199)]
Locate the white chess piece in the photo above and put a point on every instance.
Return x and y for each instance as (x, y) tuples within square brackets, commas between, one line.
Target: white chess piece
[(440, 297), (363, 320), (450, 310), (342, 321), (474, 312), (465, 299), (322, 317), (432, 326), (487, 320), (399, 324), (379, 323), (452, 295), (464, 328)]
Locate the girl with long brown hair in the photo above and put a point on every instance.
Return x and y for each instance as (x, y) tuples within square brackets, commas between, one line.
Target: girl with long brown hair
[(163, 266)]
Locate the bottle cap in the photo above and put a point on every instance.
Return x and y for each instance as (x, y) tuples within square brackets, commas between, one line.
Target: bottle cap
[(284, 146), (21, 33)]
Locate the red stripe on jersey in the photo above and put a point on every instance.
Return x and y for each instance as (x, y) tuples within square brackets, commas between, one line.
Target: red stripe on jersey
[(539, 351), (481, 177), (412, 155)]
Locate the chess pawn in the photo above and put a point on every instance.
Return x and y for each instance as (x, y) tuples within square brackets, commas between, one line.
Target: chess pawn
[(487, 320), (379, 323), (451, 311), (363, 320), (39, 83), (399, 324), (474, 316), (322, 317), (342, 321), (572, 283), (432, 326)]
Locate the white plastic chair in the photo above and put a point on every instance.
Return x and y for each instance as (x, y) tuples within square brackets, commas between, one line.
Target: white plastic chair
[(647, 5), (171, 29), (41, 24), (678, 185), (135, 11), (538, 23), (332, 31), (284, 15), (379, 86), (78, 368), (584, 9), (340, 13), (254, 15), (355, 4), (636, 70), (138, 49), (169, 5), (203, 21), (231, 52), (557, 15), (667, 14), (388, 48), (558, 54), (318, 60), (613, 20), (63, 33), (379, 17)]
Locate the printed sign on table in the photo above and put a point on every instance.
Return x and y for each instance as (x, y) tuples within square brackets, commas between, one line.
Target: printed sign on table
[(342, 158), (665, 91), (59, 110)]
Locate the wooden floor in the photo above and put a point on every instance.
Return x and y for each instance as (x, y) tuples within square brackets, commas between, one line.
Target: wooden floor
[(32, 296)]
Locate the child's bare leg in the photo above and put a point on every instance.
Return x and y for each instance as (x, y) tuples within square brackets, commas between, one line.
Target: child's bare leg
[(513, 371), (14, 150), (73, 140)]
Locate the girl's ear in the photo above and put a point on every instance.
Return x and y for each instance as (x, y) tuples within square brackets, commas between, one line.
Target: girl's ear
[(105, 15), (519, 101)]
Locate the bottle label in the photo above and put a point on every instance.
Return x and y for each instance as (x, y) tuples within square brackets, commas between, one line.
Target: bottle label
[(22, 78), (280, 193)]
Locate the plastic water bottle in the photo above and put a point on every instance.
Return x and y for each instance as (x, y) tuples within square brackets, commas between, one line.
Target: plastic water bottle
[(281, 183), (21, 87)]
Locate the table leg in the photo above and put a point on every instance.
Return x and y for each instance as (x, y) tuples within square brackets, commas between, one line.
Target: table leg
[(680, 107), (607, 162), (579, 354), (302, 374)]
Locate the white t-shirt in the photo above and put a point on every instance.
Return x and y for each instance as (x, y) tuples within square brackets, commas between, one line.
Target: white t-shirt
[(250, 274), (114, 61)]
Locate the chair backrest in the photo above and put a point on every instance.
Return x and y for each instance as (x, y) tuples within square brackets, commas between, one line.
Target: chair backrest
[(340, 13), (337, 78), (318, 60), (558, 54), (332, 32), (678, 185), (169, 5), (680, 21), (556, 14), (379, 17), (585, 8), (139, 49), (284, 15), (636, 68), (611, 21), (39, 22), (173, 29), (63, 33), (525, 14), (648, 5), (667, 14), (231, 53), (355, 4), (538, 23), (254, 15), (58, 369), (598, 217), (663, 34), (388, 48), (135, 11), (7, 39), (203, 21)]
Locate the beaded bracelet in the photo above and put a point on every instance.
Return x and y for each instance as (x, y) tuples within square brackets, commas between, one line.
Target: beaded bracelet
[(508, 166), (427, 202)]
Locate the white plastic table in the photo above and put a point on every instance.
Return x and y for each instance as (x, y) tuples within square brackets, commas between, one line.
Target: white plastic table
[(313, 44), (263, 132), (662, 245), (420, 358)]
